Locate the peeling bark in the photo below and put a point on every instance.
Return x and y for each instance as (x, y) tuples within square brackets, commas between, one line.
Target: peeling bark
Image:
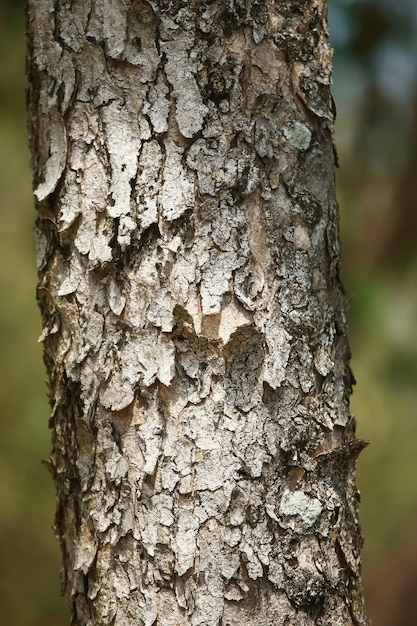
[(193, 319)]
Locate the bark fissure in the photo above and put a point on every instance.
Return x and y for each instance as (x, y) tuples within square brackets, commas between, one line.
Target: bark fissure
[(193, 319)]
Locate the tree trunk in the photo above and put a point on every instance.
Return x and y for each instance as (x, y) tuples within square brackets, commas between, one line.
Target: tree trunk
[(193, 319)]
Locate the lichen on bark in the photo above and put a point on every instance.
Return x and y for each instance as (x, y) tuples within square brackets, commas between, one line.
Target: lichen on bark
[(193, 319)]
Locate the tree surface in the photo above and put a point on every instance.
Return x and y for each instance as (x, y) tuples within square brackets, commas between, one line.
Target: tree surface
[(193, 319)]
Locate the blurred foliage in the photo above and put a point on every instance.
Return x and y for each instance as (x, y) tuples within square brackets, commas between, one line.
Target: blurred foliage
[(29, 576), (375, 90)]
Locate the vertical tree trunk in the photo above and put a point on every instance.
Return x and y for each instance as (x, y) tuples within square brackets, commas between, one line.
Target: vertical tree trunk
[(194, 324)]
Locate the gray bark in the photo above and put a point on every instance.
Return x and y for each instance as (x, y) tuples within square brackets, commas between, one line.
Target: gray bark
[(193, 319)]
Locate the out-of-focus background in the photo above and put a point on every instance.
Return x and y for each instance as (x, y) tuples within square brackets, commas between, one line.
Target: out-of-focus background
[(375, 88)]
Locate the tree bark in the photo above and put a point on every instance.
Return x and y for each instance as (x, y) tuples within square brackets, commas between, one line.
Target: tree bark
[(193, 319)]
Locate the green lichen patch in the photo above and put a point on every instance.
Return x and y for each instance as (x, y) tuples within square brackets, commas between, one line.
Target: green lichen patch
[(299, 135)]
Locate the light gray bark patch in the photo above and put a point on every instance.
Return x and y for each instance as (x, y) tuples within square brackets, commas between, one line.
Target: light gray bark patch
[(266, 139), (217, 268), (147, 185), (216, 165), (232, 317), (189, 108), (86, 448), (55, 164), (158, 107), (115, 297), (107, 27), (141, 49), (123, 144), (177, 193), (278, 342), (86, 548), (199, 360), (185, 540), (245, 354)]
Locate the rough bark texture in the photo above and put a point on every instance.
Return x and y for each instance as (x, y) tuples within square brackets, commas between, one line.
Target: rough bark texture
[(194, 325)]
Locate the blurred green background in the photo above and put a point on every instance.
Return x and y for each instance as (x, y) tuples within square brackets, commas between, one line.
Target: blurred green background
[(375, 88)]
